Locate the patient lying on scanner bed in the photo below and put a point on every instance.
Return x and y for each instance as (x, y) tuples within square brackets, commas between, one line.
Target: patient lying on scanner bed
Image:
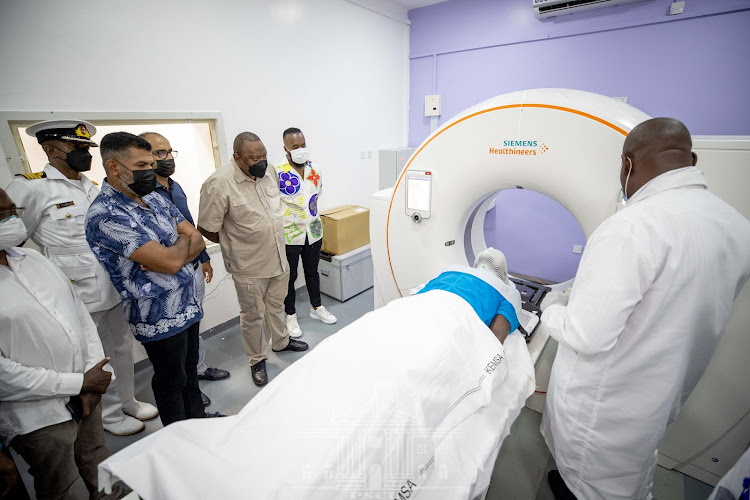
[(486, 288), (412, 400)]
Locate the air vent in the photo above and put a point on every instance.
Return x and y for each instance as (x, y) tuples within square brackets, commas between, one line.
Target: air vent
[(550, 8)]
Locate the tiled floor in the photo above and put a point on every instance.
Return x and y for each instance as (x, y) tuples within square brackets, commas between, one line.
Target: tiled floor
[(522, 465)]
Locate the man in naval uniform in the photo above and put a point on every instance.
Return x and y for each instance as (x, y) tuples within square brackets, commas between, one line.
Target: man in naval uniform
[(56, 202)]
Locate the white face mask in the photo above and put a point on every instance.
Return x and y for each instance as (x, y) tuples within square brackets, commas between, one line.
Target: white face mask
[(12, 232), (299, 155)]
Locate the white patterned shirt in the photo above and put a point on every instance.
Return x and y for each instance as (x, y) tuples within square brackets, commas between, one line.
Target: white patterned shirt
[(299, 201)]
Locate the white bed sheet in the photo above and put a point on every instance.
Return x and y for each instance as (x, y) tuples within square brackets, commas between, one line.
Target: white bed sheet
[(410, 401)]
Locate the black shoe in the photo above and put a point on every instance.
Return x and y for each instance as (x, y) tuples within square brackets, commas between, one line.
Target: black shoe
[(215, 415), (260, 377), (206, 399), (558, 486), (213, 374), (294, 345)]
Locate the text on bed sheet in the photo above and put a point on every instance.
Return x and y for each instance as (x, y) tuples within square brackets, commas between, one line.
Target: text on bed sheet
[(494, 363)]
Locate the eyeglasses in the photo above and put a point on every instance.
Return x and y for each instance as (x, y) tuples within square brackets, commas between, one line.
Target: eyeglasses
[(18, 212), (163, 153)]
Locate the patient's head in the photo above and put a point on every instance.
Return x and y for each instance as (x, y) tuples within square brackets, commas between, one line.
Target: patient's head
[(493, 260)]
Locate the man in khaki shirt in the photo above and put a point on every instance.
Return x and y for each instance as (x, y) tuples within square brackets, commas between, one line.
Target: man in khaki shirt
[(240, 208)]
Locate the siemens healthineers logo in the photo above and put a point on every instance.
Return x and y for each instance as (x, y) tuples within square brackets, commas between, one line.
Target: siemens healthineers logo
[(520, 148)]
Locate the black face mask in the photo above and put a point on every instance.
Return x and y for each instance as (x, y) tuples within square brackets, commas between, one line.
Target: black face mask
[(144, 181), (79, 160), (258, 169), (164, 168)]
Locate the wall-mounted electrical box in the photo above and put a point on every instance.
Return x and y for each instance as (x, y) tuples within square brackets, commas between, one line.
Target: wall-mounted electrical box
[(432, 105)]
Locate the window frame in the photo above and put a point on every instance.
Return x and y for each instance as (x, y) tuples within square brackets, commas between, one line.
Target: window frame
[(15, 155)]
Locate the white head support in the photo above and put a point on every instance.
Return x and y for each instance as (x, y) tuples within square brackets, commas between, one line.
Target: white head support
[(494, 261)]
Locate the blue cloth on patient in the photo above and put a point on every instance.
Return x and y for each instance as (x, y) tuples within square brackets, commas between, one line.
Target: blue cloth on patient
[(483, 297)]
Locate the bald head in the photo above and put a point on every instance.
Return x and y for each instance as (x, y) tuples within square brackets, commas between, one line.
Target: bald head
[(652, 148), (6, 204), (660, 138), (151, 135)]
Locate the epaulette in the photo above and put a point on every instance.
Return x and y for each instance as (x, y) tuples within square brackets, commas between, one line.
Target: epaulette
[(35, 175)]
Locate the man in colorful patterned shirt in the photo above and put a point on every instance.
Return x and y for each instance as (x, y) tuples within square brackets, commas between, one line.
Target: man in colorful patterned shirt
[(146, 246), (301, 185)]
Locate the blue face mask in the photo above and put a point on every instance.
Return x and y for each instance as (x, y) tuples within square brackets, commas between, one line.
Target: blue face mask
[(624, 192), (627, 178), (624, 198)]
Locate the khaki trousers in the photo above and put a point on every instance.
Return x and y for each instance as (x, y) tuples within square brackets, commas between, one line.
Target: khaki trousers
[(262, 298), (57, 454)]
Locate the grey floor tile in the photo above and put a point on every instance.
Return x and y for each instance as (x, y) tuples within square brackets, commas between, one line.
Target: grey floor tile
[(521, 462), (545, 492), (694, 489), (668, 485)]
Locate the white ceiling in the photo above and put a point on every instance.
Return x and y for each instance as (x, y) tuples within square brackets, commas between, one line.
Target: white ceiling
[(395, 9), (414, 4), (406, 4)]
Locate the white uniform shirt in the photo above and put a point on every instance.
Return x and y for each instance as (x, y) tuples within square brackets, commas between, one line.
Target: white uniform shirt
[(650, 301), (48, 341), (299, 201), (55, 213)]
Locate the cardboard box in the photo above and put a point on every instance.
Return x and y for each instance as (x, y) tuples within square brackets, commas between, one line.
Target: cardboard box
[(345, 228)]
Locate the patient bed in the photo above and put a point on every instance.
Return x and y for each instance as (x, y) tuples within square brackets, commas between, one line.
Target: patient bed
[(412, 400)]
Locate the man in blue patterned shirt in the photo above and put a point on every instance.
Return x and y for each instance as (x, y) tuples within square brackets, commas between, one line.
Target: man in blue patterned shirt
[(146, 246)]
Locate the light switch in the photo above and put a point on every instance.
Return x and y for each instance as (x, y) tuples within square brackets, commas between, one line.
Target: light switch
[(676, 8), (577, 248)]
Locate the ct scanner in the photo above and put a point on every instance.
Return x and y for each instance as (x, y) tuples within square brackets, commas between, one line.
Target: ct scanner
[(565, 144)]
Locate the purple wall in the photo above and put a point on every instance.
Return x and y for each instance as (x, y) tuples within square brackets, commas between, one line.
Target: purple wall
[(693, 66), (535, 233)]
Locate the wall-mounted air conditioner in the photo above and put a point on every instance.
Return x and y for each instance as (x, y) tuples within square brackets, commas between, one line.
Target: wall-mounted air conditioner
[(550, 8)]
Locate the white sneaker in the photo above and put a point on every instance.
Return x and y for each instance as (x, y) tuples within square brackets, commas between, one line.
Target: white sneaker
[(140, 410), (125, 427), (322, 314), (292, 326)]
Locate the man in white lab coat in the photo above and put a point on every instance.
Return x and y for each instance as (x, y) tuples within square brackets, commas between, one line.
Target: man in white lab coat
[(56, 201), (650, 301)]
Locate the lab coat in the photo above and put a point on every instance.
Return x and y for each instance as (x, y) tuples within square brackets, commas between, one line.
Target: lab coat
[(55, 213), (651, 298)]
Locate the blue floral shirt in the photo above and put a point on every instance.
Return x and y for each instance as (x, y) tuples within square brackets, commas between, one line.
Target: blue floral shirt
[(157, 305)]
